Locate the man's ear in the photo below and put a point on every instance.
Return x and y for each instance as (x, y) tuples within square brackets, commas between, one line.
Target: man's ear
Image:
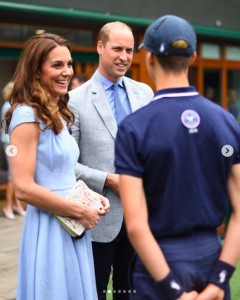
[(99, 47)]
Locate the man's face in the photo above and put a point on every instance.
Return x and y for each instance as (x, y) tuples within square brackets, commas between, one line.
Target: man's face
[(116, 56)]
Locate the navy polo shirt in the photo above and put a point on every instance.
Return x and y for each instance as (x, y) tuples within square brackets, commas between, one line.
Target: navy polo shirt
[(175, 144)]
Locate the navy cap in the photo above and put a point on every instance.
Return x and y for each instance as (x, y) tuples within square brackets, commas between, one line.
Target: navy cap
[(162, 35)]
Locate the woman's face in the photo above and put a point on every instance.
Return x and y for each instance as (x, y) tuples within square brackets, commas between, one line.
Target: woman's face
[(56, 72)]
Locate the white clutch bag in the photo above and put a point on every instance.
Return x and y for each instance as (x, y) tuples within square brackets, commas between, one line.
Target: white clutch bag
[(80, 192)]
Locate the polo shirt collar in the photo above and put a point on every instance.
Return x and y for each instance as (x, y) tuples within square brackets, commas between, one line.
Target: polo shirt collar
[(176, 92)]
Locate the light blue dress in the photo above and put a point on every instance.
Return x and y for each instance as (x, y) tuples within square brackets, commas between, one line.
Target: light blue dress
[(52, 264)]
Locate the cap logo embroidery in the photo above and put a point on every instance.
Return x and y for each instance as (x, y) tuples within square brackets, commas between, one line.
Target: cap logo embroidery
[(162, 48)]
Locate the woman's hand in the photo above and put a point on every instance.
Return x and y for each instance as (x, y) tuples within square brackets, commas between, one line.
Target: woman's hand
[(89, 216)]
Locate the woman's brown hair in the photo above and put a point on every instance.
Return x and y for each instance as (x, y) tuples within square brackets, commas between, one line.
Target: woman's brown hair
[(27, 88)]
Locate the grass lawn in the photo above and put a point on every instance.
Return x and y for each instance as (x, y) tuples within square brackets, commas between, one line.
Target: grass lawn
[(234, 283)]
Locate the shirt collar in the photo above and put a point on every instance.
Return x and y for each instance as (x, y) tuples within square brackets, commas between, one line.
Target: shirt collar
[(107, 83), (176, 92)]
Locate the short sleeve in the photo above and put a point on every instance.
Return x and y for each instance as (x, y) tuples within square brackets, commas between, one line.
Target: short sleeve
[(127, 152), (21, 114), (237, 155)]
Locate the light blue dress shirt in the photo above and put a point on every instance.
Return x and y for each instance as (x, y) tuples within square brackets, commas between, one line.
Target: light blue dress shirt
[(123, 97)]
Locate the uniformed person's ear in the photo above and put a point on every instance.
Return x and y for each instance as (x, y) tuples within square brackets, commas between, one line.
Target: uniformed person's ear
[(193, 58), (150, 58)]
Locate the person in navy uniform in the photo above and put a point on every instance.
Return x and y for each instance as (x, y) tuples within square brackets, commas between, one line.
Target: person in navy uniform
[(179, 163)]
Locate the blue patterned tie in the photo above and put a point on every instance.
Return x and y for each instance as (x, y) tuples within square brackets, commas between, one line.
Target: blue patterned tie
[(120, 111)]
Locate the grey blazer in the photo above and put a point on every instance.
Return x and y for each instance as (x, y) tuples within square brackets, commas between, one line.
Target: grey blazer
[(95, 130)]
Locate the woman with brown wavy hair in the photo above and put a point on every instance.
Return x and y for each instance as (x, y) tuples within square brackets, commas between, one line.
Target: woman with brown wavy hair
[(52, 264)]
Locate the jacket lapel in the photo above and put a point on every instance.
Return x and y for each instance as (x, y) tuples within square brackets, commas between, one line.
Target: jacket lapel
[(100, 102), (133, 94)]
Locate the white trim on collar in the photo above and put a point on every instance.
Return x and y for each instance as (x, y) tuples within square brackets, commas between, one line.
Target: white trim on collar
[(172, 95)]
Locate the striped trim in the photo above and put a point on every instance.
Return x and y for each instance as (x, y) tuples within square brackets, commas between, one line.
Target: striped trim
[(173, 95)]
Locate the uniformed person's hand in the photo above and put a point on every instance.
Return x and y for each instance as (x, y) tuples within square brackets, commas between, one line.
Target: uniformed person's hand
[(211, 292), (189, 296)]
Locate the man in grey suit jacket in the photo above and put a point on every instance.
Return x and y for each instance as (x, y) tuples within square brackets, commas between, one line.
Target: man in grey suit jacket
[(95, 130)]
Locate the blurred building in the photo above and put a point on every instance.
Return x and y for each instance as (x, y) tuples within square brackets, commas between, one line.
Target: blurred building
[(217, 24)]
